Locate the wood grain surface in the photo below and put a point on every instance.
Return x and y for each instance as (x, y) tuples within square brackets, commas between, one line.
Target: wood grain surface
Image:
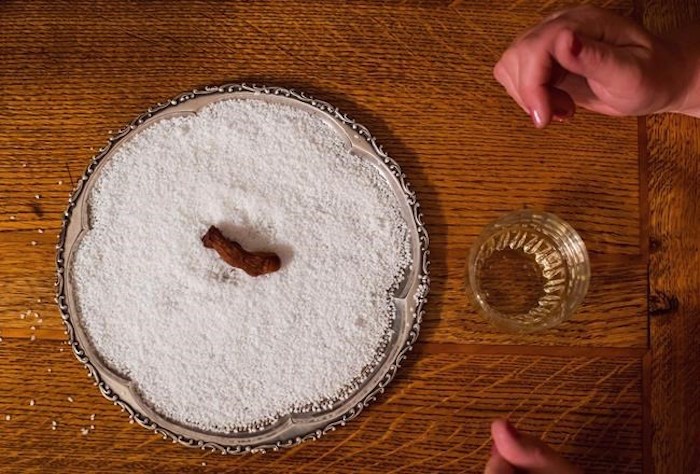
[(673, 147), (419, 76), (432, 420)]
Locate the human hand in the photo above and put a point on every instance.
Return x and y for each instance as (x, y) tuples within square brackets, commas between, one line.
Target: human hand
[(598, 60), (514, 452)]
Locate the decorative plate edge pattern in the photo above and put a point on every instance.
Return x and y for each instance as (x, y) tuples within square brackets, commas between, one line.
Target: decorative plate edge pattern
[(417, 312)]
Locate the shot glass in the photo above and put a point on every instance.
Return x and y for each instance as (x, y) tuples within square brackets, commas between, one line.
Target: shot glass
[(528, 271)]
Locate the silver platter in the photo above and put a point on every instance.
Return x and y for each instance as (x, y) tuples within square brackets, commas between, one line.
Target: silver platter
[(291, 429)]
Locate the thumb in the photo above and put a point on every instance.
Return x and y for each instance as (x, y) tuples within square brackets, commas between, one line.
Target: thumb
[(594, 60), (527, 452)]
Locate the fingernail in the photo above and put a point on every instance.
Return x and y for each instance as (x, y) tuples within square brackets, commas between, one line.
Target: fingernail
[(537, 119), (576, 46), (512, 431)]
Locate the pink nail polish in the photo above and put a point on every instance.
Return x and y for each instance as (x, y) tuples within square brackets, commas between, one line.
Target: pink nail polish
[(537, 119)]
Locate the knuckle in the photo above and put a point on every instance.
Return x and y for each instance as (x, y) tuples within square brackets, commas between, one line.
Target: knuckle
[(506, 64), (596, 56), (568, 25), (498, 72)]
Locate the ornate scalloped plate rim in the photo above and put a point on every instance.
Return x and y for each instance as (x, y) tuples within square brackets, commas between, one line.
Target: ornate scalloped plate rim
[(416, 311)]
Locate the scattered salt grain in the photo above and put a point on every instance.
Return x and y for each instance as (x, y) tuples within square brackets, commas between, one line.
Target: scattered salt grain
[(70, 399), (48, 370), (84, 431), (60, 182), (92, 427), (60, 349), (12, 218), (34, 242), (8, 417), (32, 403), (273, 178), (32, 328), (41, 231), (32, 337), (54, 425), (92, 417), (37, 196), (38, 300), (203, 463)]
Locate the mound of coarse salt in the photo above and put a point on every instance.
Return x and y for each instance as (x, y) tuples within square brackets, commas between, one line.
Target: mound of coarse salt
[(205, 344)]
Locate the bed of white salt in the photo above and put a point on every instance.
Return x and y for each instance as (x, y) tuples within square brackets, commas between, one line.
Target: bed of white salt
[(206, 344)]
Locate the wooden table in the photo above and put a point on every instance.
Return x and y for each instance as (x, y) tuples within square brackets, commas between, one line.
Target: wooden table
[(615, 388)]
